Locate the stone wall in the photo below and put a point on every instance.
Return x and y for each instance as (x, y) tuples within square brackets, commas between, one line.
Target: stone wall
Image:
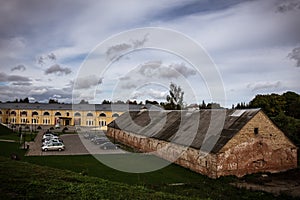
[(187, 157), (265, 149)]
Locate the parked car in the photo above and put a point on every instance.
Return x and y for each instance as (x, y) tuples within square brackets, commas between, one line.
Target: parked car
[(100, 140), (55, 146), (49, 141), (50, 136), (108, 145)]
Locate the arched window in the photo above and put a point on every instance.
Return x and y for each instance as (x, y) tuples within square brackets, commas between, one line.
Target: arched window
[(23, 113), (115, 115), (102, 115), (0, 112), (46, 113), (57, 114), (77, 114), (13, 113), (89, 115), (35, 113)]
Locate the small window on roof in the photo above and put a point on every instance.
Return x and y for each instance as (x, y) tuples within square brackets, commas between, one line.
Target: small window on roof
[(102, 115), (115, 115), (77, 114), (89, 115), (57, 114), (256, 131)]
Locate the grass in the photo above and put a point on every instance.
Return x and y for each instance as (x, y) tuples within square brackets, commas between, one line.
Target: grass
[(158, 182), (8, 134), (29, 181)]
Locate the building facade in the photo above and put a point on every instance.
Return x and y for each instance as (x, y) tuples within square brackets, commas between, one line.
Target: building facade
[(35, 114), (248, 141)]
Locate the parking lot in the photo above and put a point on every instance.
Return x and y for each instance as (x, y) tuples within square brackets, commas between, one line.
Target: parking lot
[(75, 144)]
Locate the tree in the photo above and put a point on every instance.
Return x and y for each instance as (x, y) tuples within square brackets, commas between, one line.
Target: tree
[(175, 98), (83, 102), (52, 101), (106, 102)]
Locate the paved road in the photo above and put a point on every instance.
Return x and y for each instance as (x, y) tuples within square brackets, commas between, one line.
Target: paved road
[(75, 144)]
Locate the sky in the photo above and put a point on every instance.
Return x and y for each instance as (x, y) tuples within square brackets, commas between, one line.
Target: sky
[(254, 46)]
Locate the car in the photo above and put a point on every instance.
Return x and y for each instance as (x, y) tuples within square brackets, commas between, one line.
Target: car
[(55, 146), (48, 141), (100, 141), (48, 135), (108, 145)]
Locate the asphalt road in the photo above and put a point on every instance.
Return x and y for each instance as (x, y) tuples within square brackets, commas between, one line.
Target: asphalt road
[(75, 144)]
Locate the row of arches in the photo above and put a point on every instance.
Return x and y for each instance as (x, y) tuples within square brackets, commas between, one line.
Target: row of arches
[(77, 114)]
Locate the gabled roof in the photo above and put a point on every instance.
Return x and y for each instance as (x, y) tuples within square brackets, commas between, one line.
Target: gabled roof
[(188, 128)]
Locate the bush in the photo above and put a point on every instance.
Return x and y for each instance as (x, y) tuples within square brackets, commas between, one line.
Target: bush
[(51, 128)]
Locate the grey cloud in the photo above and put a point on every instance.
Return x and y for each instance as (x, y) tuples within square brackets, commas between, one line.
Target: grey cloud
[(87, 82), (19, 67), (156, 69), (183, 70), (288, 5), (43, 59), (22, 83), (149, 69), (263, 85), (51, 56), (295, 55), (57, 69), (140, 43), (115, 51), (13, 78)]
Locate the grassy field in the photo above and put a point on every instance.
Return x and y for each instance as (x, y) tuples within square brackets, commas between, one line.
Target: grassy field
[(185, 182), (29, 181), (8, 134), (195, 185)]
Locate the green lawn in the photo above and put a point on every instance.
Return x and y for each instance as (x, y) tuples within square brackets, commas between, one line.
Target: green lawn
[(8, 134), (22, 180), (194, 185)]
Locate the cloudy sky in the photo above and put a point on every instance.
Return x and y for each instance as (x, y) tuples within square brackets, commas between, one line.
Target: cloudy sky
[(255, 46)]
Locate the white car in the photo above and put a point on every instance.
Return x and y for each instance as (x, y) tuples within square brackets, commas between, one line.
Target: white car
[(54, 146), (46, 142), (50, 136)]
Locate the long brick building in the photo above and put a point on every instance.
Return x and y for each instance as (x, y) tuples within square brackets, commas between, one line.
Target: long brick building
[(248, 141)]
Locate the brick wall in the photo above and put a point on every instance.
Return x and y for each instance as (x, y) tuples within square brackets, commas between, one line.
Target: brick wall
[(265, 149)]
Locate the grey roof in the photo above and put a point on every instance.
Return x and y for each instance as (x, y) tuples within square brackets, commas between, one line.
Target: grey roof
[(189, 128), (87, 107)]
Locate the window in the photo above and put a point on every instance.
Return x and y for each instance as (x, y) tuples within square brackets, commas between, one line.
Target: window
[(102, 115), (0, 112), (46, 113), (57, 114), (89, 115), (34, 113), (13, 113), (89, 122), (255, 131), (102, 123), (68, 114), (115, 115), (23, 113), (77, 114)]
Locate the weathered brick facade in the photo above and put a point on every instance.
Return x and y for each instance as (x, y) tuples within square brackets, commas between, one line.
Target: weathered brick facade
[(259, 146)]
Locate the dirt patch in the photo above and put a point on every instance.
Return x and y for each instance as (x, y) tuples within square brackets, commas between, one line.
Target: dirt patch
[(280, 183)]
